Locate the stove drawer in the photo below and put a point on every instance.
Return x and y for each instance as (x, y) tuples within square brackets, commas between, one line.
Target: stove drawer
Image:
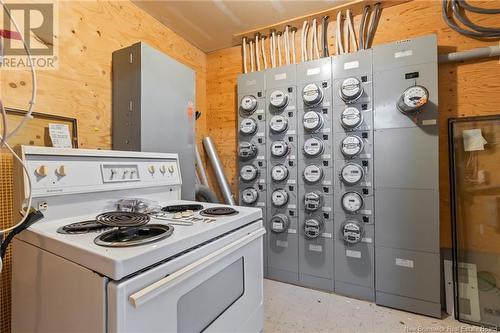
[(220, 290)]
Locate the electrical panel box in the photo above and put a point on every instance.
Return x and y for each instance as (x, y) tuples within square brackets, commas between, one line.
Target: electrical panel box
[(152, 94), (252, 132), (353, 187), (315, 173), (281, 153), (406, 178), (341, 154)]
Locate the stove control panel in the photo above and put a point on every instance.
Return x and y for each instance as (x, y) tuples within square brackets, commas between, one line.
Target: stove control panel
[(64, 171)]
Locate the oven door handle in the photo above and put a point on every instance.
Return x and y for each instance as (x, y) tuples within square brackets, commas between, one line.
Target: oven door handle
[(150, 292)]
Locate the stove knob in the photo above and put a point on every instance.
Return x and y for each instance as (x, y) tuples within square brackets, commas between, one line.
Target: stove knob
[(41, 170), (61, 171), (163, 169), (171, 169), (151, 169)]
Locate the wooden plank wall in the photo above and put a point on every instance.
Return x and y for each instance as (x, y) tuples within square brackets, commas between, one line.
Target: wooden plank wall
[(465, 89), (89, 31)]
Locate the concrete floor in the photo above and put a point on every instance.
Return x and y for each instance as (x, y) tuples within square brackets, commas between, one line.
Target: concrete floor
[(290, 308)]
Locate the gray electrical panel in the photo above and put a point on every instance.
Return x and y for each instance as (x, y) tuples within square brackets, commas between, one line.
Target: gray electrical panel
[(151, 97), (252, 145), (315, 173), (353, 160), (342, 155), (406, 176), (281, 152)]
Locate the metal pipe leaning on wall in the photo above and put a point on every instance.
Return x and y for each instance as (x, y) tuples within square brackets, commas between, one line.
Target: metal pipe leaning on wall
[(200, 168), (478, 53), (218, 170)]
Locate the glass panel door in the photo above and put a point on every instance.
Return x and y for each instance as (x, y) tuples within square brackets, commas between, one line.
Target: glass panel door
[(475, 172)]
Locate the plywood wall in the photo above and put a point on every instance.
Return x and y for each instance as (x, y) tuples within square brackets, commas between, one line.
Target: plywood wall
[(471, 88), (89, 32)]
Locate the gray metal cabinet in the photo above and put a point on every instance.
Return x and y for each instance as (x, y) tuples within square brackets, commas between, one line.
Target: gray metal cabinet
[(151, 95)]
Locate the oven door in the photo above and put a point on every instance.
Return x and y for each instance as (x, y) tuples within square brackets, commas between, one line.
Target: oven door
[(214, 288)]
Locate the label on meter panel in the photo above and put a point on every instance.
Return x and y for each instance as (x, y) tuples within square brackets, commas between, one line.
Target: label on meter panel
[(281, 243), (353, 254), (315, 248), (404, 263), (351, 65), (313, 71)]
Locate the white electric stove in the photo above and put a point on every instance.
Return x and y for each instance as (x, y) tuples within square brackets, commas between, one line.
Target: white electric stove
[(135, 271)]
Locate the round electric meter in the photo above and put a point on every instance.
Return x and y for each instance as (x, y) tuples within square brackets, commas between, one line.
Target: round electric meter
[(312, 201), (248, 173), (413, 99), (312, 121), (351, 117), (248, 126), (278, 99), (313, 173), (312, 94), (352, 231), (312, 228), (352, 173), (279, 223), (350, 89), (279, 148), (313, 147), (278, 124), (248, 104), (279, 198), (351, 145), (249, 195), (279, 173), (247, 150), (352, 202)]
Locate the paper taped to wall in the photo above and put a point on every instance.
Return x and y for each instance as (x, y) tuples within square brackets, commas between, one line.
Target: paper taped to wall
[(473, 139), (59, 135)]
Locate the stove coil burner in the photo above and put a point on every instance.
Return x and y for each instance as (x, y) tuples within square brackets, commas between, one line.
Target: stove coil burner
[(82, 228), (219, 211), (134, 236), (122, 219)]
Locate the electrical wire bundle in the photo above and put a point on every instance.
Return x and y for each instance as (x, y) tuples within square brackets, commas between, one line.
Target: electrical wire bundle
[(458, 10), (5, 135), (368, 25), (313, 40)]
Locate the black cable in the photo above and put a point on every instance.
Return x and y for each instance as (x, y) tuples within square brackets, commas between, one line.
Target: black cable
[(362, 28), (324, 24), (470, 8), (471, 33), (32, 218)]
